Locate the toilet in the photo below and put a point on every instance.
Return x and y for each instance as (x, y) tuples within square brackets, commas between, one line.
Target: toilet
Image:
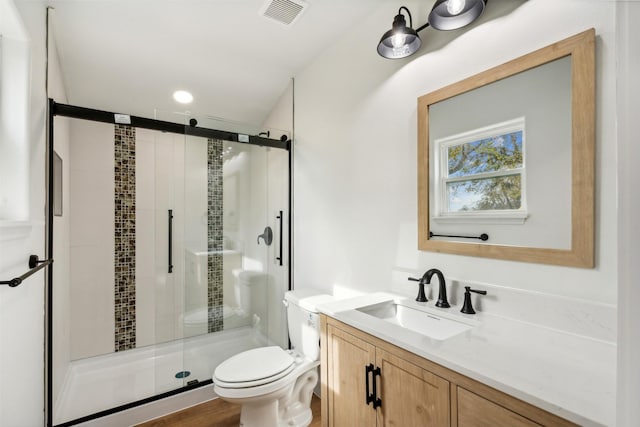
[(273, 385)]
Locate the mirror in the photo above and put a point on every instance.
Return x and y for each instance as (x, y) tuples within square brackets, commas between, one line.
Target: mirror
[(501, 178)]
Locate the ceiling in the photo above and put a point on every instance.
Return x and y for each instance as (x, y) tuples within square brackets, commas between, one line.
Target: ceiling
[(129, 56)]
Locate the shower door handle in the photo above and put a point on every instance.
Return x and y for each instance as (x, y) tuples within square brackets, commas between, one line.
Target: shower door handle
[(170, 246), (279, 257)]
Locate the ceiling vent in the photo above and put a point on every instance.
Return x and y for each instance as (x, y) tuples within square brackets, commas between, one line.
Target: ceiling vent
[(285, 12)]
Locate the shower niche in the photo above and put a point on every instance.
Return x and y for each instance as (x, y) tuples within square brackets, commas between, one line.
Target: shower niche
[(159, 273)]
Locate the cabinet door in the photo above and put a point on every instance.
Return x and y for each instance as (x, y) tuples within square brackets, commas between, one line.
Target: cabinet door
[(347, 357), (476, 411), (411, 396)]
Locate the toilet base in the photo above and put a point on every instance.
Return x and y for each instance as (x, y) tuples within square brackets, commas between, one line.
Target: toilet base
[(256, 415), (287, 407), (267, 416)]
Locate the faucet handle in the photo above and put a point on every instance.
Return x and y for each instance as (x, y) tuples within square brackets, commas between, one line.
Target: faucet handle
[(467, 307), (422, 297)]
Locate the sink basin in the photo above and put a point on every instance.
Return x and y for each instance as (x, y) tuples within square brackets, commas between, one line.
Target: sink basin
[(422, 322)]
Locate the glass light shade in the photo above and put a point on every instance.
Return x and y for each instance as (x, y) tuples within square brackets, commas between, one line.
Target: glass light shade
[(443, 18)]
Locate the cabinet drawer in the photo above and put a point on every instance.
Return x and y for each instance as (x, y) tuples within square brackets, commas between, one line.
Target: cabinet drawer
[(476, 411)]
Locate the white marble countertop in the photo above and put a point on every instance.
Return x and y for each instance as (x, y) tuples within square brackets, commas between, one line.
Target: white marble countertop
[(569, 375)]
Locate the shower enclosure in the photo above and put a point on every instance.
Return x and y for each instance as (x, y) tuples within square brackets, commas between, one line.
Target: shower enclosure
[(171, 255)]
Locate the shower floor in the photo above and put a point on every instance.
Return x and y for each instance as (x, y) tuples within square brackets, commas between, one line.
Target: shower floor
[(103, 382)]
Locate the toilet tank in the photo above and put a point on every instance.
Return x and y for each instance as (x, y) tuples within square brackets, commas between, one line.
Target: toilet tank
[(303, 320)]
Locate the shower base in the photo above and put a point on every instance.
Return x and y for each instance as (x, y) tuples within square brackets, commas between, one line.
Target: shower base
[(103, 382)]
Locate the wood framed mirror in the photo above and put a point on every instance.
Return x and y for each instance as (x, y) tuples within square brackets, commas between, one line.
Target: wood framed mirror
[(506, 159)]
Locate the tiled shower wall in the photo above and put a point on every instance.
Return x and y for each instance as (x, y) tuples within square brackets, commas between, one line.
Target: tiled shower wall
[(125, 236), (214, 235)]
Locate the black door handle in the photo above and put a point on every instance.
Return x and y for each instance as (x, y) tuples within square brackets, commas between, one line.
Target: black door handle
[(373, 396), (368, 396), (279, 258), (377, 402), (170, 246)]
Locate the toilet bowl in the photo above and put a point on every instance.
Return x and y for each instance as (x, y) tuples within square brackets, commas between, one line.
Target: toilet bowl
[(274, 385)]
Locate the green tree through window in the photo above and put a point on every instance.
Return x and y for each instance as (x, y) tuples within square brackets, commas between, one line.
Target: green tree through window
[(485, 174)]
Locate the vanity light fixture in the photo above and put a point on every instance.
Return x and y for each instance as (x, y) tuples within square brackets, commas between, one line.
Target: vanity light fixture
[(402, 41)]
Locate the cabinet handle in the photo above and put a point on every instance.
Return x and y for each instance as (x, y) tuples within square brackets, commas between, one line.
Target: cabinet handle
[(377, 402), (372, 397), (368, 396)]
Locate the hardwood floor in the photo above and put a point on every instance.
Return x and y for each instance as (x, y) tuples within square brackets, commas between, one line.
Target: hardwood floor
[(215, 413)]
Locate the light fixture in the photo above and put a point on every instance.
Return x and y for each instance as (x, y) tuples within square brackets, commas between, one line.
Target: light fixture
[(454, 14), (182, 96), (402, 41)]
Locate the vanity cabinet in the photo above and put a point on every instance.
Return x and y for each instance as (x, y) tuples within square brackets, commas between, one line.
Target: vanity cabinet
[(404, 394), (412, 391), (347, 359)]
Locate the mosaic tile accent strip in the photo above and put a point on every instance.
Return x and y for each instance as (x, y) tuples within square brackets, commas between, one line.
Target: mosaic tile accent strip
[(125, 236), (214, 235)]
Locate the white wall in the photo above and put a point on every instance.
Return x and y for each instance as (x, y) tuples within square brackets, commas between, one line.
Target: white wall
[(61, 244), (628, 207), (22, 308), (91, 239), (145, 238), (355, 153), (15, 53)]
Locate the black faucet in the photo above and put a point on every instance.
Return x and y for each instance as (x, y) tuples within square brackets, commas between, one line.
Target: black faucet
[(467, 308), (442, 293), (426, 280)]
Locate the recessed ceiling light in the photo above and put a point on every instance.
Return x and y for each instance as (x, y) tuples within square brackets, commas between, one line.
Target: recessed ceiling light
[(182, 96)]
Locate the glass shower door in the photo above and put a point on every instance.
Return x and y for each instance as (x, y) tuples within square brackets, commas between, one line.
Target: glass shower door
[(160, 270), (165, 263), (233, 233)]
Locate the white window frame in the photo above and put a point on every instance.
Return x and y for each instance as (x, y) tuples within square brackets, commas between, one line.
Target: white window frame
[(506, 216)]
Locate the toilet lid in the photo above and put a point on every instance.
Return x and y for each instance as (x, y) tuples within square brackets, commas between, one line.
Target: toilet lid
[(257, 365)]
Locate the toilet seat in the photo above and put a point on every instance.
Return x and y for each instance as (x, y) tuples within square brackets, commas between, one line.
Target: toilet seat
[(254, 368)]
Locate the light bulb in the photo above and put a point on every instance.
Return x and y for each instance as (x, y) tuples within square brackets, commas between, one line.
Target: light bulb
[(454, 7), (398, 40), (182, 96)]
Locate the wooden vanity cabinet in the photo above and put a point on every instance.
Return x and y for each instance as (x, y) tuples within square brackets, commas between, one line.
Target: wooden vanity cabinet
[(407, 394), (411, 396), (413, 391), (347, 359)]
